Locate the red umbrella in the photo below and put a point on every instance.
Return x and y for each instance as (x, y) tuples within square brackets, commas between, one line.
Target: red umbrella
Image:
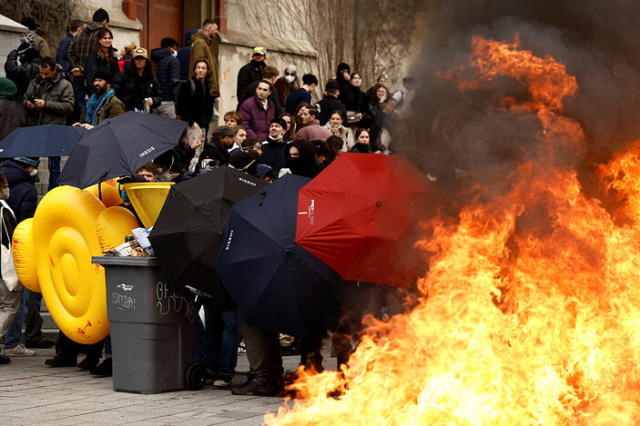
[(359, 216)]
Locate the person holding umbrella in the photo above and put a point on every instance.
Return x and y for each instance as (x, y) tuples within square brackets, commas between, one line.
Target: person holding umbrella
[(103, 103)]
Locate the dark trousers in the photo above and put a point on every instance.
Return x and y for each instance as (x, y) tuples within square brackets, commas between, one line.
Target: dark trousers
[(68, 348), (33, 321), (263, 351), (54, 171), (216, 341)]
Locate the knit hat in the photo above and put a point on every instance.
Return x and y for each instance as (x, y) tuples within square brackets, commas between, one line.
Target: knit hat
[(27, 161), (29, 23), (245, 160), (7, 87), (279, 121), (262, 170), (103, 74)]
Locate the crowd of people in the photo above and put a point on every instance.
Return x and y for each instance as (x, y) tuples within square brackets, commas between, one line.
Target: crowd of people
[(276, 129)]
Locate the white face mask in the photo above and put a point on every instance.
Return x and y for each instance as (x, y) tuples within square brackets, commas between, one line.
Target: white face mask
[(34, 172), (174, 54), (289, 78), (4, 193)]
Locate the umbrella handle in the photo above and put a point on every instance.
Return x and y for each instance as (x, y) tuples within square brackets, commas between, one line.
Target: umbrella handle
[(263, 194), (100, 186)]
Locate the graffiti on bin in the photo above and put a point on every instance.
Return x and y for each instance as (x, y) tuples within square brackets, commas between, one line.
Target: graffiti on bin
[(122, 301), (168, 301)]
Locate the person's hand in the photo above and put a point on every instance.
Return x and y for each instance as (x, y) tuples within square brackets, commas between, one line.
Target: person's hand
[(39, 103), (76, 72), (196, 143), (149, 101), (30, 105), (359, 115), (87, 126), (335, 130), (345, 74)]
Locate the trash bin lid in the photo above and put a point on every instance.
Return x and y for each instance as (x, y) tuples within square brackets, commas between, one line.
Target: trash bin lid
[(123, 261)]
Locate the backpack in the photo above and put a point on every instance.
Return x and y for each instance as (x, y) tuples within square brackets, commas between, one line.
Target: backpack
[(177, 86)]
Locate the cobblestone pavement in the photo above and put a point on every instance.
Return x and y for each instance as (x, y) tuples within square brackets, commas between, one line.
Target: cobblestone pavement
[(32, 393)]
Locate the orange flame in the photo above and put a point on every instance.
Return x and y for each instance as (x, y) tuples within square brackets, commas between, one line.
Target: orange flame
[(532, 315)]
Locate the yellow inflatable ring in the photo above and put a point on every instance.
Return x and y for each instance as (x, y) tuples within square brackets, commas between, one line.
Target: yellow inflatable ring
[(115, 223), (23, 255), (110, 194), (65, 238)]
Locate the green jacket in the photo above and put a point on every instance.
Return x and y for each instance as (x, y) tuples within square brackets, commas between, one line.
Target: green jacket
[(58, 100), (201, 49)]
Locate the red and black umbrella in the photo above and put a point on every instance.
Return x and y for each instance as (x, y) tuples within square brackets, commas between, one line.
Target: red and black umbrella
[(360, 216)]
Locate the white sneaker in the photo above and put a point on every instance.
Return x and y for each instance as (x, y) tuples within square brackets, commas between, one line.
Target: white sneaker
[(19, 350)]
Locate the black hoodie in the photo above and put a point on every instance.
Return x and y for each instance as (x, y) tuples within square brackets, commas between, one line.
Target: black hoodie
[(306, 165)]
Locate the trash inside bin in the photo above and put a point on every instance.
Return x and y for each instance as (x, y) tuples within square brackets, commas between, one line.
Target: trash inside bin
[(151, 328)]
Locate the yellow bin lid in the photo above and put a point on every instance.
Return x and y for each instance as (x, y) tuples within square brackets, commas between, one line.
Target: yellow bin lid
[(147, 199)]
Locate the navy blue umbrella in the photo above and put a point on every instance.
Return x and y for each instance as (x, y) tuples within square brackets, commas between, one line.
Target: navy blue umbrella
[(277, 284), (120, 146), (49, 140)]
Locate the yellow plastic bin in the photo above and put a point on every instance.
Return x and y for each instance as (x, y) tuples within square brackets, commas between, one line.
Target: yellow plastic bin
[(147, 199)]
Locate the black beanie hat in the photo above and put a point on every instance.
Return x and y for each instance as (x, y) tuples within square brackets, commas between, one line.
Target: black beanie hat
[(29, 22), (103, 74)]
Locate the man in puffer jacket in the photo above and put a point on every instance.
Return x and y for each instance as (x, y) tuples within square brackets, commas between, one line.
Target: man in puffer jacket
[(167, 74), (184, 53)]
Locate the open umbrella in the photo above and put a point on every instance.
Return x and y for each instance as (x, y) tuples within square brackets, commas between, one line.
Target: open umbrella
[(118, 147), (187, 235), (277, 284), (49, 140), (359, 217)]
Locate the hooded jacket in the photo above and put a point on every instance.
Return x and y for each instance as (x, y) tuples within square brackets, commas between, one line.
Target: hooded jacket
[(23, 196), (201, 48), (306, 164), (256, 118), (22, 70), (82, 45), (167, 71), (58, 97), (12, 114)]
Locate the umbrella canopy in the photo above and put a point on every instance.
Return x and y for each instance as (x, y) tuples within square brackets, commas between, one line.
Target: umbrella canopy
[(49, 140), (120, 146), (276, 283), (359, 217), (187, 235)]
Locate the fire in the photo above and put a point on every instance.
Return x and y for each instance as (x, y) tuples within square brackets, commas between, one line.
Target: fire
[(531, 307)]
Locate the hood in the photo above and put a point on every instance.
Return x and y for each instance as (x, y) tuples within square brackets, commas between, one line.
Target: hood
[(93, 26), (8, 88), (199, 35), (314, 122), (305, 165), (14, 172), (159, 53), (188, 35)]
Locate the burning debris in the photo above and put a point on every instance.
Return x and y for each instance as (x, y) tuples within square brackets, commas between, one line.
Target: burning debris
[(533, 307)]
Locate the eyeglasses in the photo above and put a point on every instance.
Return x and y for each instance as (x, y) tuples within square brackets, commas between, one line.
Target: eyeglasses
[(6, 185), (289, 73)]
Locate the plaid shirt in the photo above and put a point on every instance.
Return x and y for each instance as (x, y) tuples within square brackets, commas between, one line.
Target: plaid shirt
[(82, 45)]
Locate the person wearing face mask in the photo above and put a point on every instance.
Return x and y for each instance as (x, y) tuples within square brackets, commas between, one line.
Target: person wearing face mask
[(273, 149), (301, 159), (20, 173), (251, 72), (167, 74), (9, 300), (288, 83)]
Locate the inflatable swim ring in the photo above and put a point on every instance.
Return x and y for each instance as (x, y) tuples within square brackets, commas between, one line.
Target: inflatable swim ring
[(115, 223), (23, 255), (110, 194)]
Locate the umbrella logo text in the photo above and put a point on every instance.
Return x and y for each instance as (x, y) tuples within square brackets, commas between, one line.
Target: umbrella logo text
[(229, 240), (248, 182), (311, 212), (146, 151)]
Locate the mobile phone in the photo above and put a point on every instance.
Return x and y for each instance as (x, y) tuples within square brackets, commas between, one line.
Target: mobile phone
[(32, 100)]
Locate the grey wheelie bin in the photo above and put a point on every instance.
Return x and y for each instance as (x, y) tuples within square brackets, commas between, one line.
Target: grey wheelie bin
[(151, 329)]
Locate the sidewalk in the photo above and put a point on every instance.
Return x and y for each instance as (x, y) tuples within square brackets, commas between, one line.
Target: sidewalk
[(32, 393)]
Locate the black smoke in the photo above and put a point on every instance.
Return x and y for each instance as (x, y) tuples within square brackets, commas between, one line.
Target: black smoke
[(466, 136)]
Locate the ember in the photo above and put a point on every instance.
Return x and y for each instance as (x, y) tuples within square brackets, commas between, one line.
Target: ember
[(532, 314)]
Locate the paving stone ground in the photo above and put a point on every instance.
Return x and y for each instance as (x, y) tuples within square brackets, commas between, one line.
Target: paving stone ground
[(32, 393)]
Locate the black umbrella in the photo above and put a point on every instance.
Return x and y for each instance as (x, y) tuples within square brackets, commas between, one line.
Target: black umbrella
[(120, 146), (187, 235), (277, 284), (49, 140)]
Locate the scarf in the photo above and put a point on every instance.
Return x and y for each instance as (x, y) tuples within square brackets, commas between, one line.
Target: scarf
[(94, 104)]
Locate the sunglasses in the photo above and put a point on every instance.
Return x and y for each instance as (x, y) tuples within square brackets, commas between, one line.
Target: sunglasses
[(289, 73)]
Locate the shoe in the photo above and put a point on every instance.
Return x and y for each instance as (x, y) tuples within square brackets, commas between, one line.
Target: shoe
[(222, 381), (19, 350), (4, 359), (61, 361), (105, 369), (259, 386), (40, 344), (89, 362)]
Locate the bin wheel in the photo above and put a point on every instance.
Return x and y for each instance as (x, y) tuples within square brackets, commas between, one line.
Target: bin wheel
[(195, 377)]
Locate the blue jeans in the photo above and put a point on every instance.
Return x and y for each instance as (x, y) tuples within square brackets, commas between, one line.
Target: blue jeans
[(54, 171), (81, 93), (12, 338), (216, 346)]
